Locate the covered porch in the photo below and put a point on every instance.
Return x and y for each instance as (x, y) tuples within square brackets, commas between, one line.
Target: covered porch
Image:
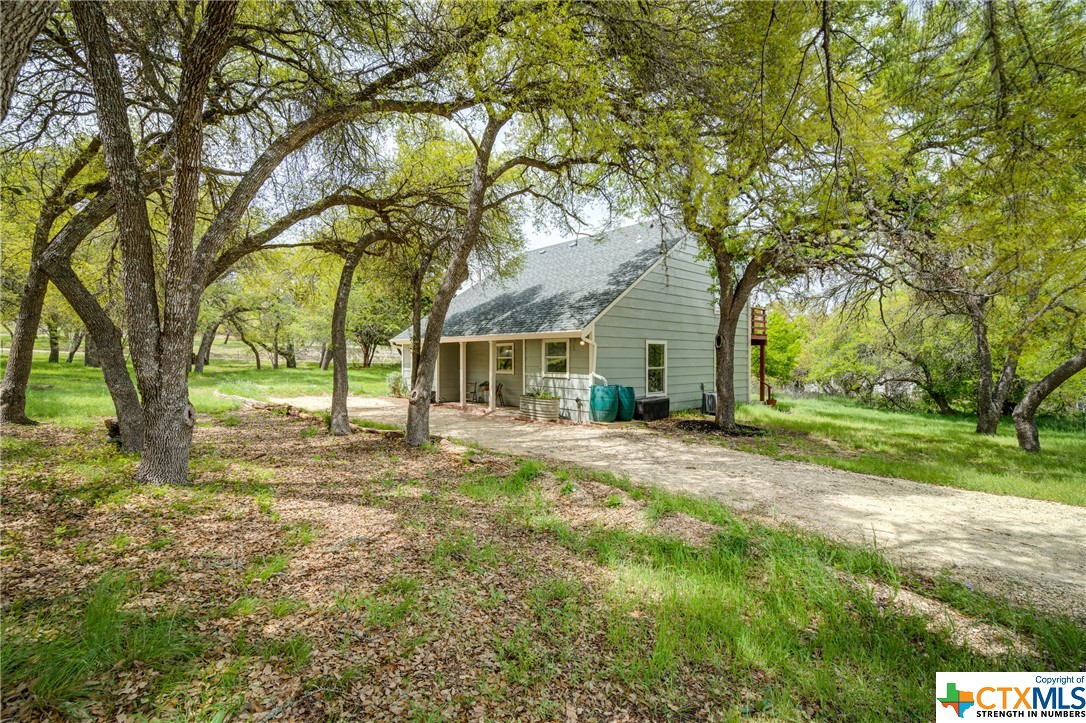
[(495, 372)]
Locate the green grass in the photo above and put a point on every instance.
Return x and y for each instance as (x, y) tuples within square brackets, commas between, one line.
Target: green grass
[(265, 567), (59, 653), (293, 651), (394, 602), (75, 395), (777, 613), (924, 447)]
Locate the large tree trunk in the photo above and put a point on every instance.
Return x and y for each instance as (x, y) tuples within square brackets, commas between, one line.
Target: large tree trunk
[(169, 418), (77, 340), (418, 409), (54, 345), (90, 352), (204, 353), (341, 424), (724, 373), (161, 345), (21, 355), (20, 23), (1025, 414), (289, 355), (733, 299), (104, 348)]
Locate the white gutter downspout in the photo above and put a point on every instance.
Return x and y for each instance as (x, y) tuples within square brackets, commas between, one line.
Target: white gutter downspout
[(588, 337)]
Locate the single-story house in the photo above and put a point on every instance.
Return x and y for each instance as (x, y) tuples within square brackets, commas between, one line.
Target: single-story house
[(632, 306)]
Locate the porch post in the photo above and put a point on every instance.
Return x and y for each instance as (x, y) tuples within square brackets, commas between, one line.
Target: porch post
[(491, 395), (463, 374), (761, 372)]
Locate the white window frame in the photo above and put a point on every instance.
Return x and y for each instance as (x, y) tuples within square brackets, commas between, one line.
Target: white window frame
[(649, 342), (543, 352), (512, 357)]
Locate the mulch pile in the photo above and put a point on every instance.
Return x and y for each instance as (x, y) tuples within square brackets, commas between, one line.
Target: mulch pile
[(709, 426)]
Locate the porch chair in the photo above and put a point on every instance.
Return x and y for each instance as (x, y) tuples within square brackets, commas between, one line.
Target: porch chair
[(473, 391)]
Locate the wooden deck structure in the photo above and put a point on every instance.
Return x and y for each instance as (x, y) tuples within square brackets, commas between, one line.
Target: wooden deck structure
[(758, 338)]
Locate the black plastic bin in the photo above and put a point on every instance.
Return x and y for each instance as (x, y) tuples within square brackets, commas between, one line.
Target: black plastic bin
[(650, 408)]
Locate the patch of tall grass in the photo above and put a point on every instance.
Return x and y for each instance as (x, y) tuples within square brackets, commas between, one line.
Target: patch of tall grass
[(59, 653)]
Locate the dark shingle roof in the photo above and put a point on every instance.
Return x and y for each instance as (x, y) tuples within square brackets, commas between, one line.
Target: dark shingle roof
[(561, 287)]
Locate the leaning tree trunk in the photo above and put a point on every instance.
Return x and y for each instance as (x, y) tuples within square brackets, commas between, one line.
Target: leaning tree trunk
[(54, 345), (77, 340), (941, 402), (121, 389), (252, 347), (418, 408), (22, 20), (17, 372), (104, 348), (1025, 414), (341, 423), (204, 353), (326, 356)]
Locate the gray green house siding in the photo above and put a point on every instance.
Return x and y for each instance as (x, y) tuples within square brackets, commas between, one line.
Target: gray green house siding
[(671, 304), (572, 389)]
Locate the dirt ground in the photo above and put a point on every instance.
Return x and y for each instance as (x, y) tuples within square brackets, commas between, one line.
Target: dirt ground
[(1031, 551)]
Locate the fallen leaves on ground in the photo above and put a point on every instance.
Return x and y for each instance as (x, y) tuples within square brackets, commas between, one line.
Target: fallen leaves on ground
[(325, 577)]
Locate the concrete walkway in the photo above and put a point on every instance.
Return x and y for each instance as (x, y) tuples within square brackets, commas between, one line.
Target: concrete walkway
[(1028, 550)]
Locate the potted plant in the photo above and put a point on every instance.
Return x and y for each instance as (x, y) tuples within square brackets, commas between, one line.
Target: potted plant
[(540, 404)]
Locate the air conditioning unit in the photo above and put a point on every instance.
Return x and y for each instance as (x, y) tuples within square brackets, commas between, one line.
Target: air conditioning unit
[(708, 402)]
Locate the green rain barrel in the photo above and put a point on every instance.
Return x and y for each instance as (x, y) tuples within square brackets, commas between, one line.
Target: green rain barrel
[(627, 403), (603, 403)]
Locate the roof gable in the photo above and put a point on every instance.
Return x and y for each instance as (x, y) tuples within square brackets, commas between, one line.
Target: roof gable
[(562, 287)]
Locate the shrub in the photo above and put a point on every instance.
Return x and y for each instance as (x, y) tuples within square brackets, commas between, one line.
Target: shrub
[(397, 385)]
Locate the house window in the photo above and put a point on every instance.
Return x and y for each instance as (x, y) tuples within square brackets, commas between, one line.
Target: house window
[(503, 363), (656, 367), (556, 358)]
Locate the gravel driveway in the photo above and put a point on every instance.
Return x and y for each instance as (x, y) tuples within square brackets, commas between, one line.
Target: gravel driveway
[(1029, 550)]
